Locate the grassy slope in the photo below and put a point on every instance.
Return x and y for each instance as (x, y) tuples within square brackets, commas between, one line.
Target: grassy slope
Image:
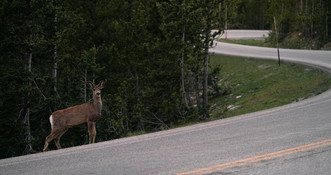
[(288, 42), (254, 85), (250, 42), (262, 84)]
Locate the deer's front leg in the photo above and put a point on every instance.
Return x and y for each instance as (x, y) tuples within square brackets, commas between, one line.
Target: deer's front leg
[(92, 131)]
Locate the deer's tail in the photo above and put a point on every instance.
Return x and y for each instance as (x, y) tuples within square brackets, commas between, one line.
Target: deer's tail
[(51, 121)]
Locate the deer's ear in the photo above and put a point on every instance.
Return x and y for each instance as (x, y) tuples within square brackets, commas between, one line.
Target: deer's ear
[(102, 84), (90, 85)]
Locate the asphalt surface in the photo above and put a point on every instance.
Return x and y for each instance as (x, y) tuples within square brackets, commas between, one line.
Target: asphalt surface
[(321, 59), (292, 139), (245, 34)]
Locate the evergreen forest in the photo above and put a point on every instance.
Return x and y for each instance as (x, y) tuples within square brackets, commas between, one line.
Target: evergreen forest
[(154, 55)]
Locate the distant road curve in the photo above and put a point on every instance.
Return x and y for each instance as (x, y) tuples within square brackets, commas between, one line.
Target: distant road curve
[(244, 34), (316, 58)]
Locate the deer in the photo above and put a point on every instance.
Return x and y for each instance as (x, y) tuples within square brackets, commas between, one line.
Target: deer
[(64, 119)]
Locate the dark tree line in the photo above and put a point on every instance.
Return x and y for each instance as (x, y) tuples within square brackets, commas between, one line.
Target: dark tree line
[(154, 55), (307, 18)]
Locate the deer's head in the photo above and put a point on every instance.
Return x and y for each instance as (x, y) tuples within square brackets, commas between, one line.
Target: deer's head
[(97, 88)]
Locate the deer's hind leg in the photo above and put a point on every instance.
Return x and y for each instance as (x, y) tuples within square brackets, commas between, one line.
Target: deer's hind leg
[(54, 135), (49, 138), (58, 137)]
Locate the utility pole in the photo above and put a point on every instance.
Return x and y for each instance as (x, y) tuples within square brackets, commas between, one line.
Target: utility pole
[(277, 33)]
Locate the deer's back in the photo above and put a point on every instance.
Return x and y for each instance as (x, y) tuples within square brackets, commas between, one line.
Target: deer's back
[(71, 116)]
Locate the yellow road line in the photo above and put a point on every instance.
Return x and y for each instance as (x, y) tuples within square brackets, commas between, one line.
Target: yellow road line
[(259, 158)]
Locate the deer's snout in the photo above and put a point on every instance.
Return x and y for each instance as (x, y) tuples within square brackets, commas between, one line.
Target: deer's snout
[(98, 93)]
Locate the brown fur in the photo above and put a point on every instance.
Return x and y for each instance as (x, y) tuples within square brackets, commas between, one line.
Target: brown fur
[(89, 113)]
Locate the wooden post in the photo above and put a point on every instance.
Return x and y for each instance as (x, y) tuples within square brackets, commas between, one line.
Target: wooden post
[(277, 33)]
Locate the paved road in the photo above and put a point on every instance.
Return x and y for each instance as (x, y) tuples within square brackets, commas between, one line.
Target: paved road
[(292, 139), (320, 59), (245, 34)]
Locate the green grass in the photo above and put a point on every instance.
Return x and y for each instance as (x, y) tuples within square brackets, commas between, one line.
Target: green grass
[(251, 85), (288, 42), (249, 42), (260, 84)]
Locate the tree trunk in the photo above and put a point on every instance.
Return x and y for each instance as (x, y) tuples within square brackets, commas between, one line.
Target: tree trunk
[(183, 80), (261, 15), (29, 63), (54, 75), (206, 60), (312, 20), (197, 90), (25, 114), (138, 92), (301, 5), (182, 63), (27, 132), (307, 30), (326, 24), (85, 84), (226, 20), (94, 53)]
